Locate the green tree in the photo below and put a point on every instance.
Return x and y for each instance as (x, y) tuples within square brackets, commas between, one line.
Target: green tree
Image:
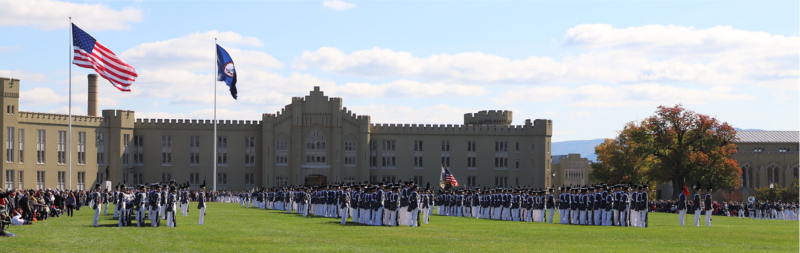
[(621, 159)]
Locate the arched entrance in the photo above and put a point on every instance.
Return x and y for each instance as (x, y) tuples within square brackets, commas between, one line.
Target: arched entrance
[(316, 180)]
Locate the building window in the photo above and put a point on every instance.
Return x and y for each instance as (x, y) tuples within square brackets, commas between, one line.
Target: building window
[(126, 139), (388, 154), (99, 177), (446, 154), (516, 164), (500, 181), (40, 180), (373, 154), (194, 150), (10, 179), (62, 147), (471, 181), (10, 144), (81, 148), (40, 144), (166, 177), (418, 164), (349, 179), (249, 181), (138, 150), (21, 146), (99, 143), (471, 153), (517, 147), (137, 178), (282, 151), (387, 178), (222, 181), (166, 150), (281, 181), (21, 179), (350, 152), (315, 148), (773, 175), (249, 151), (532, 146), (222, 150), (81, 180), (62, 180), (501, 155), (194, 181), (418, 180)]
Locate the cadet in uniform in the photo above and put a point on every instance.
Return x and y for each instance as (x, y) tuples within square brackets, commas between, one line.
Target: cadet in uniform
[(201, 202), (681, 209), (155, 204), (97, 198), (698, 207), (172, 200), (708, 207)]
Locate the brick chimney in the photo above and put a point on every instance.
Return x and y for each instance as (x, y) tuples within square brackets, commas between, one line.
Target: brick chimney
[(92, 111)]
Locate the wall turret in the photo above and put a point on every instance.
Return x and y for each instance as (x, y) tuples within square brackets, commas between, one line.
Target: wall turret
[(491, 117)]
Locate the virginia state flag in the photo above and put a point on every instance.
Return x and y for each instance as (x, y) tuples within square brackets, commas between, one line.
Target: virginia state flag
[(225, 70)]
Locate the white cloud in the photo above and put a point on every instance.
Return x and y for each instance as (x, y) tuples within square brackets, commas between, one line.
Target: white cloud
[(436, 114), (41, 96), (337, 5), (407, 88), (630, 96), (24, 76), (782, 84), (49, 14), (10, 49), (653, 53)]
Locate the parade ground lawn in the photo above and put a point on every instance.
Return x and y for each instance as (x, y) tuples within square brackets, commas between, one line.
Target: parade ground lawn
[(232, 228)]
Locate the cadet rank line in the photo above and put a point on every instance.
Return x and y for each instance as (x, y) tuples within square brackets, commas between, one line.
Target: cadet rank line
[(618, 205), (375, 205)]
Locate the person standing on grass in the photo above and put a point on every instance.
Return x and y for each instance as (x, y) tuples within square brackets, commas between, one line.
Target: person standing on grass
[(708, 207), (681, 209), (97, 200), (71, 204), (698, 206), (201, 202)]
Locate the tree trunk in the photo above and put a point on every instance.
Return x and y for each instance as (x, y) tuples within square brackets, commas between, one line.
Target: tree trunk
[(676, 187)]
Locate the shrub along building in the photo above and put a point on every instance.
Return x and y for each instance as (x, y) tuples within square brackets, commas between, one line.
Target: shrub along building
[(314, 140)]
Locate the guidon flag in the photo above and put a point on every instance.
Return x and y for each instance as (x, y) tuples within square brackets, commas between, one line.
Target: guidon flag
[(226, 71)]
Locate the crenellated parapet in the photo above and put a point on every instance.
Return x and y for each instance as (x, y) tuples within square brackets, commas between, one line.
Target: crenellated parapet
[(197, 124), (59, 119), (491, 117)]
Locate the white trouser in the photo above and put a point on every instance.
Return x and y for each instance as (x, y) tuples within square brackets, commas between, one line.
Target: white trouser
[(377, 220), (344, 215), (105, 208), (643, 218), (697, 214), (121, 215), (96, 215), (412, 221), (425, 215), (154, 216), (598, 217), (708, 218), (170, 217), (682, 217), (202, 215), (474, 212), (622, 218), (616, 217)]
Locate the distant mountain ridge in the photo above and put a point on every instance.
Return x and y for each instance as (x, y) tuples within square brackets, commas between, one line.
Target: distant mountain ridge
[(586, 147), (583, 147)]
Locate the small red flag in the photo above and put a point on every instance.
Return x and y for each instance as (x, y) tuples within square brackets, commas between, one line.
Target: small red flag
[(685, 190)]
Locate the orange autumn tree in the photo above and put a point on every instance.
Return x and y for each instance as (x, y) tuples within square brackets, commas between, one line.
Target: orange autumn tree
[(674, 146), (621, 159)]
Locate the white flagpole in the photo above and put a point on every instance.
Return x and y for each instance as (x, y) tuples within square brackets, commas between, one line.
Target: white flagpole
[(69, 157), (214, 184)]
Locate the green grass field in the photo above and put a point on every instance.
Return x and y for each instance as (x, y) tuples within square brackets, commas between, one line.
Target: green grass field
[(232, 228)]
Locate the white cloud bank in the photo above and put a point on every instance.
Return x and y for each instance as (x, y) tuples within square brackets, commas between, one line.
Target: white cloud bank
[(337, 5), (652, 53), (49, 14)]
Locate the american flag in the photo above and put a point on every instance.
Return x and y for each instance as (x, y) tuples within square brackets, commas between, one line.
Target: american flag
[(89, 53), (449, 178)]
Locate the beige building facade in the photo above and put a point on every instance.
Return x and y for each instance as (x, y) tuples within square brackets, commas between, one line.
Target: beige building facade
[(571, 169), (314, 140)]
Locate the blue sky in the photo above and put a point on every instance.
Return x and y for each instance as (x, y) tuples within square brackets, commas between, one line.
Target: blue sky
[(590, 66)]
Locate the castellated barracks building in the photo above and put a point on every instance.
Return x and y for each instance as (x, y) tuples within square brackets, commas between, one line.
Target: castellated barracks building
[(313, 140)]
